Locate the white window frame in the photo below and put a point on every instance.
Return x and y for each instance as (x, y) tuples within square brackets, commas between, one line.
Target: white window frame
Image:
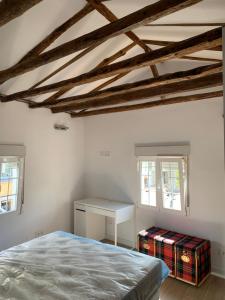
[(15, 153), (159, 195)]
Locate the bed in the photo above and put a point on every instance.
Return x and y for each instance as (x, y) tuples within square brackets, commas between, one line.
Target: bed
[(63, 266)]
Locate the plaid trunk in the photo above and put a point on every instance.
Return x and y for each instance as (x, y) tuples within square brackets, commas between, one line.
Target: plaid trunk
[(187, 257), (165, 248), (146, 240), (193, 259)]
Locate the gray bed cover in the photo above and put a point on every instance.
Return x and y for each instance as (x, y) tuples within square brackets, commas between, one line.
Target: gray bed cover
[(63, 266)]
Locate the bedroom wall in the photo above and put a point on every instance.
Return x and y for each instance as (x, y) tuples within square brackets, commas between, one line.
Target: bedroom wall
[(54, 171), (115, 176)]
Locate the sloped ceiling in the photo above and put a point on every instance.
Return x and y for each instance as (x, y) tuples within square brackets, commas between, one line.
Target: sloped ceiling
[(23, 33)]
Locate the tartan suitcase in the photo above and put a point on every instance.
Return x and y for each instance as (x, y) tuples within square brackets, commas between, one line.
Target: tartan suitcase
[(193, 260), (146, 240), (165, 249)]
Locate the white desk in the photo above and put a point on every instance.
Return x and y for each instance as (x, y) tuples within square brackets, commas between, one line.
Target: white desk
[(89, 216)]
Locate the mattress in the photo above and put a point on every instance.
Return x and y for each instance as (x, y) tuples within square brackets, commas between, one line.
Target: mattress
[(63, 266)]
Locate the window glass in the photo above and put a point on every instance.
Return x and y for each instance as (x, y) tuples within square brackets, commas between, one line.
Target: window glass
[(9, 182), (171, 185), (148, 183), (163, 183)]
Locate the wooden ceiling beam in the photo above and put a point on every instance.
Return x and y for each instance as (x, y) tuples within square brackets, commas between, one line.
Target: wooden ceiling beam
[(56, 33), (141, 85), (187, 57), (218, 48), (166, 43), (149, 13), (11, 9), (67, 64), (178, 87), (197, 43), (103, 10), (115, 56), (104, 62), (110, 60), (188, 25), (196, 58), (150, 104), (108, 82)]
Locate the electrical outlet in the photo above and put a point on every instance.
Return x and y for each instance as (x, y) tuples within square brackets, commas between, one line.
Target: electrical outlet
[(221, 252), (38, 233), (110, 221), (105, 153)]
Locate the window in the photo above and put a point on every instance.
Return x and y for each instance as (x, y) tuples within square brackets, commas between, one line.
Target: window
[(11, 179), (163, 183)]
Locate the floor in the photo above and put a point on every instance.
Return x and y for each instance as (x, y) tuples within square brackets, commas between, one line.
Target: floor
[(106, 241), (212, 289)]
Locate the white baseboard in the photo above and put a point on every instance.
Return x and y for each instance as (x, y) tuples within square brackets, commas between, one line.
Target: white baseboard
[(219, 272), (126, 242), (218, 275)]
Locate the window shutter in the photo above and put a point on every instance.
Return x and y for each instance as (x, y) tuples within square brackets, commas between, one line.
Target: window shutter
[(170, 149), (12, 150)]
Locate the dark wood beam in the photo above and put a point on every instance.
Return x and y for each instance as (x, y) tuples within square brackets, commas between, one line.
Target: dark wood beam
[(150, 104), (103, 85), (158, 42), (141, 85), (46, 42), (23, 100), (218, 48), (180, 87), (11, 9), (166, 43), (104, 62), (196, 58), (68, 63), (187, 57), (189, 24), (110, 81), (56, 33), (197, 43), (115, 56), (149, 13), (103, 10)]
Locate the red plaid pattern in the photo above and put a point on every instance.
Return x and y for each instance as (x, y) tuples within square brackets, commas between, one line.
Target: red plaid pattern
[(165, 248), (187, 257), (204, 261), (146, 239), (193, 259)]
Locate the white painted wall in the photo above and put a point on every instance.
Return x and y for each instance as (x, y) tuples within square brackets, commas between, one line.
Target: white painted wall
[(54, 168), (54, 171), (115, 177)]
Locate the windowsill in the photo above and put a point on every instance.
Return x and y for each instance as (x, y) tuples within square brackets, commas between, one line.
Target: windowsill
[(164, 210), (8, 212)]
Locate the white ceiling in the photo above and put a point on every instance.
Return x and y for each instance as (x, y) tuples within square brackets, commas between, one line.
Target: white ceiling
[(23, 33)]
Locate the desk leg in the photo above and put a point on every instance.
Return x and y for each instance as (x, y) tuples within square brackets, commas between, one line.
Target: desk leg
[(115, 234)]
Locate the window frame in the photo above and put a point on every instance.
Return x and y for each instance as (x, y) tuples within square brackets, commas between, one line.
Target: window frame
[(159, 194), (20, 186), (140, 204)]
